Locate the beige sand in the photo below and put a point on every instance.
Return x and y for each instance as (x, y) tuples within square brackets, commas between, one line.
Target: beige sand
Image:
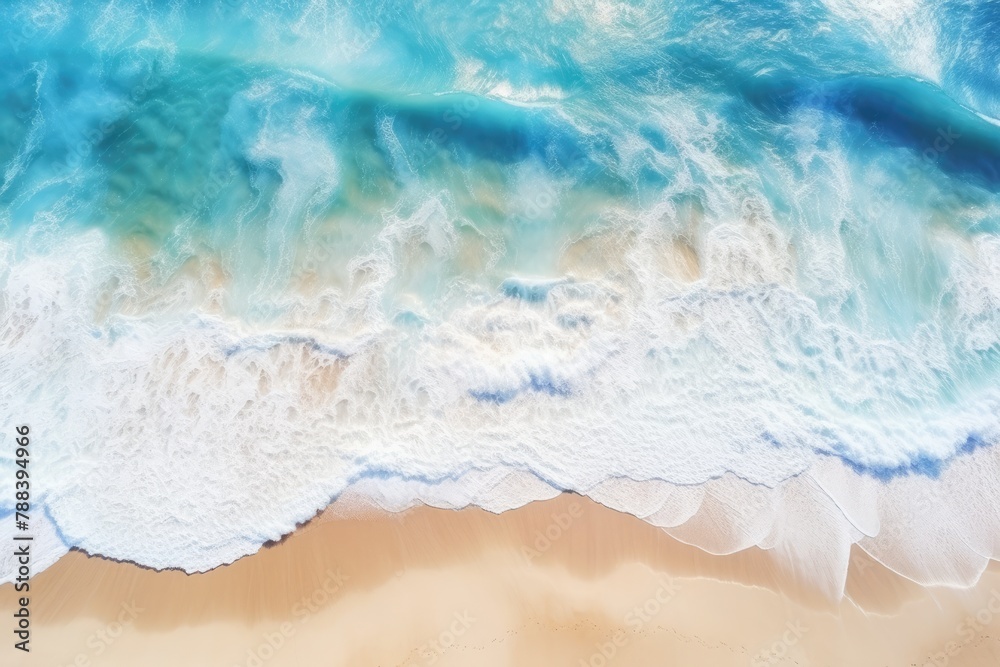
[(469, 588)]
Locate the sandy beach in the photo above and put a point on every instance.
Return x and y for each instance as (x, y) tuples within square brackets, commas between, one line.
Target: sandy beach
[(341, 333), (560, 582)]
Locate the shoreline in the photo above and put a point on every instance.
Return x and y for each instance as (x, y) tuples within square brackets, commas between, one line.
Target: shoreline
[(565, 581)]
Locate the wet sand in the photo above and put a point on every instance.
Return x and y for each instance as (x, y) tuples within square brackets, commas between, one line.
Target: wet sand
[(559, 582)]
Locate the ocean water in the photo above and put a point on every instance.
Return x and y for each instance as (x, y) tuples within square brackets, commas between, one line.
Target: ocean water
[(732, 267)]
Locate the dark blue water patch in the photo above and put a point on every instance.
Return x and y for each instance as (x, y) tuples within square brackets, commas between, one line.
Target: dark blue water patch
[(919, 116), (919, 464), (542, 383), (569, 321), (265, 343), (528, 290), (775, 93), (898, 111), (770, 439), (497, 397), (483, 128)]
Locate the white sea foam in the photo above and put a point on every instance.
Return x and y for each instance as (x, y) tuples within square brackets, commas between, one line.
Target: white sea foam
[(189, 442), (45, 547)]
